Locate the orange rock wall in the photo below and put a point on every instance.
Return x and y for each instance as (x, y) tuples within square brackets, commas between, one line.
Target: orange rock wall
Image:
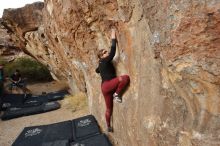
[(169, 48)]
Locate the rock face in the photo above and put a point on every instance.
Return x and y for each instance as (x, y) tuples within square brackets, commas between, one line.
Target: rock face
[(170, 49), (20, 21), (8, 50)]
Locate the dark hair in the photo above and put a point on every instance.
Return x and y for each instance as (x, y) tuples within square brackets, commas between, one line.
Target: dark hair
[(17, 70), (100, 53)]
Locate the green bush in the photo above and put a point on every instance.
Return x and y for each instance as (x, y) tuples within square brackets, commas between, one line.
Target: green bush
[(2, 61), (29, 68)]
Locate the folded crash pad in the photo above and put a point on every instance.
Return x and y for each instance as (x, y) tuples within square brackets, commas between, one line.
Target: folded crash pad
[(12, 100), (58, 134), (85, 127), (31, 136), (98, 140), (83, 131), (28, 100), (53, 96), (59, 95), (15, 112), (36, 99), (57, 143)]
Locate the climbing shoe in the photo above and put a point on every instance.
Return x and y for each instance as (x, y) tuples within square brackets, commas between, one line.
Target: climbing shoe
[(110, 129), (117, 98)]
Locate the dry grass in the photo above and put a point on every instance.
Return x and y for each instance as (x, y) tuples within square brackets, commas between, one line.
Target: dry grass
[(75, 102)]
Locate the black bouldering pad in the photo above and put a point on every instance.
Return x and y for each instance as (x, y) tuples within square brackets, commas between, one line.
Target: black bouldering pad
[(58, 134), (31, 136), (57, 143), (15, 112), (12, 100), (59, 131), (28, 100), (53, 96), (98, 140), (83, 131), (59, 95), (85, 127), (36, 99)]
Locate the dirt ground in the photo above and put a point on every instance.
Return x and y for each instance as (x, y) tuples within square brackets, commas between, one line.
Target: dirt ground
[(10, 129)]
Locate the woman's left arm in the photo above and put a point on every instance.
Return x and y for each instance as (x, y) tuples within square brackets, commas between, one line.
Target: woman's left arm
[(113, 47)]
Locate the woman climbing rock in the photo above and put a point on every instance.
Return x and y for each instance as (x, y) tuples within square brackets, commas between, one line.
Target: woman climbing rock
[(111, 86)]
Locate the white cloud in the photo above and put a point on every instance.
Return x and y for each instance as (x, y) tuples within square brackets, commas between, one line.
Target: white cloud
[(4, 4)]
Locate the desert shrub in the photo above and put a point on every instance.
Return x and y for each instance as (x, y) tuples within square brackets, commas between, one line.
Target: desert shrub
[(2, 61), (76, 102), (29, 68)]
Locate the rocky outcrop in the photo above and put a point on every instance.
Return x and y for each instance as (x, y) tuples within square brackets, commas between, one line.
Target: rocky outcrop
[(170, 49), (8, 50), (20, 21)]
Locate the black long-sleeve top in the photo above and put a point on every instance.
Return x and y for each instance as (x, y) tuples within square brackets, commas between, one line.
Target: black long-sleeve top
[(106, 68)]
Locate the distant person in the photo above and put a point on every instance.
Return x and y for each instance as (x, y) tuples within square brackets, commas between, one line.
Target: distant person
[(17, 81), (111, 86), (16, 78)]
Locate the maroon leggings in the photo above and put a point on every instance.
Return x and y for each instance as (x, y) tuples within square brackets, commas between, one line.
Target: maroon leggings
[(108, 89)]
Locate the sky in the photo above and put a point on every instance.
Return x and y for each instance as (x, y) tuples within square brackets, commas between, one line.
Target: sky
[(4, 4)]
